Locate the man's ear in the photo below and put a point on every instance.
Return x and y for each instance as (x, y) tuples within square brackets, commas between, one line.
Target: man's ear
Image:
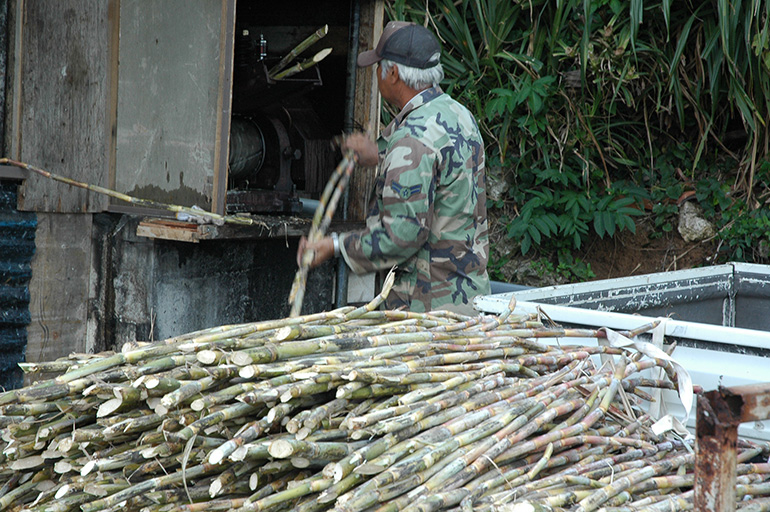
[(392, 75)]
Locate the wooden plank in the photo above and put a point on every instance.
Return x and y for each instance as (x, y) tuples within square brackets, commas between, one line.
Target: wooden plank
[(267, 227), (168, 97), (12, 172), (224, 107), (112, 107), (168, 230), (4, 38), (367, 105), (60, 90)]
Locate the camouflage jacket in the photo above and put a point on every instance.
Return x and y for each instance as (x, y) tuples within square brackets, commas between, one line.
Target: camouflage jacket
[(428, 212)]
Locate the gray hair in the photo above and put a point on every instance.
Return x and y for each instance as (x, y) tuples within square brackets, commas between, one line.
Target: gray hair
[(414, 77)]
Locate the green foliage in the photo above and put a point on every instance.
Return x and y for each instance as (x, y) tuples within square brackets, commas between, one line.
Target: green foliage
[(567, 268), (598, 111), (745, 236), (538, 219), (495, 265)]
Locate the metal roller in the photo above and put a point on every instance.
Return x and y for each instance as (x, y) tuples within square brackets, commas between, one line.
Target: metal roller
[(247, 148)]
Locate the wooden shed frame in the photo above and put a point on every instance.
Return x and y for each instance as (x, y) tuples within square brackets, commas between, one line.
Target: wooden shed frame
[(69, 115)]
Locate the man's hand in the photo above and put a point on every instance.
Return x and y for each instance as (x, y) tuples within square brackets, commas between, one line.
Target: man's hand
[(365, 148), (322, 250)]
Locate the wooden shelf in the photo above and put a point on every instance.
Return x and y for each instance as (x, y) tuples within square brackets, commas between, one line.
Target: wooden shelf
[(269, 226)]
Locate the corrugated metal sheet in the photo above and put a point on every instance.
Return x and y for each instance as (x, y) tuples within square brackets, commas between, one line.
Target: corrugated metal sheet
[(17, 245)]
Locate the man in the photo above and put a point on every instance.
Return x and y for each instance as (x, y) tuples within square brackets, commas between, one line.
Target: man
[(428, 215)]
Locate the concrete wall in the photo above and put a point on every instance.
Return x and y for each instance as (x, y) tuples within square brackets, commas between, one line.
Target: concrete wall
[(97, 285), (59, 287), (163, 288)]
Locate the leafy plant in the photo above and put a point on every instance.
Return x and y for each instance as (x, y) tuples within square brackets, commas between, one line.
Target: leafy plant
[(568, 268), (745, 237)]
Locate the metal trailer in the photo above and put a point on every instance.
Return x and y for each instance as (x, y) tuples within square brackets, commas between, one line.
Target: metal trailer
[(718, 316)]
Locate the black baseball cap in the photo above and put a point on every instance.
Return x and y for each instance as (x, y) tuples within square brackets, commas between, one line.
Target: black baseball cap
[(406, 43)]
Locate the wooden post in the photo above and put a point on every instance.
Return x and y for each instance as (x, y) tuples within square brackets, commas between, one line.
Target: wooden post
[(366, 112)]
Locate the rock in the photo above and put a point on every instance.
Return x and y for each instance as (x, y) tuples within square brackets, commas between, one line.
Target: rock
[(692, 226), (496, 184), (764, 249)]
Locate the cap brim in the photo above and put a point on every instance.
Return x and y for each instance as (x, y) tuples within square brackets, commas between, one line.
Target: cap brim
[(368, 58)]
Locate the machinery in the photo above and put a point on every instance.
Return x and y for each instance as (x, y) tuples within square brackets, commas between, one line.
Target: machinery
[(281, 128)]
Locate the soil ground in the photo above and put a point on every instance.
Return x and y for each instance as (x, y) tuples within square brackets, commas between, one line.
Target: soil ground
[(625, 254), (645, 252)]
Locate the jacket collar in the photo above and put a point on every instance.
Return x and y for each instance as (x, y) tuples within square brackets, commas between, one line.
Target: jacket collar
[(416, 102)]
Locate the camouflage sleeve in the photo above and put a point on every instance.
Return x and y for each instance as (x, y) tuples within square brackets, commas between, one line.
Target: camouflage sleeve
[(400, 227)]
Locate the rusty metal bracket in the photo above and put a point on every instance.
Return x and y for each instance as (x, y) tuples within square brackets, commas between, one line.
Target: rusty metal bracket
[(716, 433)]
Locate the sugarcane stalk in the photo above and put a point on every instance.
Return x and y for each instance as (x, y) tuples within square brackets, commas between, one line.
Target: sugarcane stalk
[(210, 338), (404, 487), (326, 202), (570, 431), (453, 421), (465, 468), (229, 476), (287, 447), (255, 450), (43, 391), (168, 499), (372, 390), (422, 394), (296, 296), (318, 414), (190, 389), (33, 409), (600, 496), (316, 483), (112, 463), (211, 505), (147, 203), (755, 505), (146, 486), (515, 477), (301, 47), (11, 496), (58, 366), (247, 434), (436, 501), (233, 411), (425, 458), (301, 66), (582, 426), (541, 463), (65, 504), (423, 444), (673, 503)]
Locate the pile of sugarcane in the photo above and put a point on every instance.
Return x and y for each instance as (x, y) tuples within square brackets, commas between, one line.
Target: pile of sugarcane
[(356, 409)]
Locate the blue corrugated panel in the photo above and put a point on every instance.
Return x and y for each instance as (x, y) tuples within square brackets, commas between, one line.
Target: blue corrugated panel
[(17, 245)]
